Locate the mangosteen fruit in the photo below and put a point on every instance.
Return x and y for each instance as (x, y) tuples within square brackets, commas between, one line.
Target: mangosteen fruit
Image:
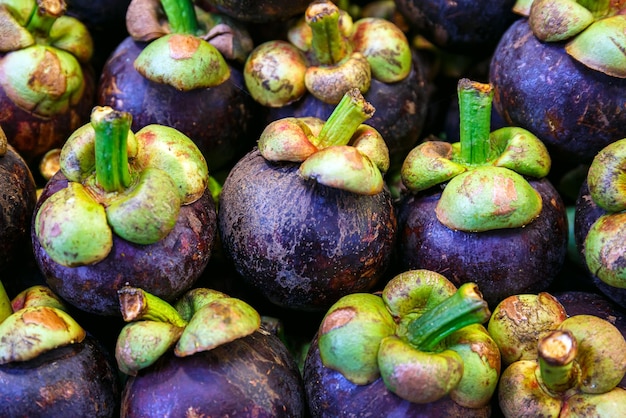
[(483, 213), (306, 217), (180, 67), (600, 222), (564, 82), (462, 27), (417, 349), (555, 365), (47, 84), (125, 208), (49, 365), (205, 355), (326, 54)]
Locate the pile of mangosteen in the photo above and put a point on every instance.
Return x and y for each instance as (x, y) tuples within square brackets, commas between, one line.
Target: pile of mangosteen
[(387, 208)]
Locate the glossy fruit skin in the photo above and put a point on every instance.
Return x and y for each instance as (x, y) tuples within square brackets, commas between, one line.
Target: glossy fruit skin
[(75, 380), (301, 244), (220, 120), (502, 262), (587, 212), (17, 203), (574, 110), (331, 395), (166, 268), (466, 26), (252, 376), (400, 114)]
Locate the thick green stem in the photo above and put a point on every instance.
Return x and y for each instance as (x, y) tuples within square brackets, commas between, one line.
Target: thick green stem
[(465, 307), (5, 304), (111, 128), (43, 17), (328, 44), (349, 114), (137, 304), (557, 352), (475, 120), (181, 16)]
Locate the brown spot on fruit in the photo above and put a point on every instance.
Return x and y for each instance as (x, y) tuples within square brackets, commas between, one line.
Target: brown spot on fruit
[(47, 76), (337, 319), (45, 316), (503, 195), (183, 46)]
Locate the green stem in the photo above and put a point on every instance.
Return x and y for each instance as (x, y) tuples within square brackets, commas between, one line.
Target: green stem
[(475, 120), (349, 114), (111, 128), (181, 16), (43, 17), (465, 307), (5, 304), (137, 305), (327, 43), (557, 352)]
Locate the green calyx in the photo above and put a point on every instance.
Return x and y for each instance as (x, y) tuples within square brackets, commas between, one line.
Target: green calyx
[(418, 336), (605, 249), (488, 198), (25, 77), (43, 22), (34, 322), (327, 55), (607, 178), (5, 304), (594, 30), (501, 158), (341, 152), (178, 53), (41, 70), (200, 320), (605, 241), (182, 61), (130, 185), (518, 321), (577, 367)]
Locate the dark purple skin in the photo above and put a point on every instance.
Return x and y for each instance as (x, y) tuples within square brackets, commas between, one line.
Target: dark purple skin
[(466, 27), (301, 244), (33, 135), (77, 380), (574, 110), (400, 112), (331, 395), (253, 376), (166, 268), (17, 203), (587, 212), (265, 11), (502, 262), (220, 120)]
